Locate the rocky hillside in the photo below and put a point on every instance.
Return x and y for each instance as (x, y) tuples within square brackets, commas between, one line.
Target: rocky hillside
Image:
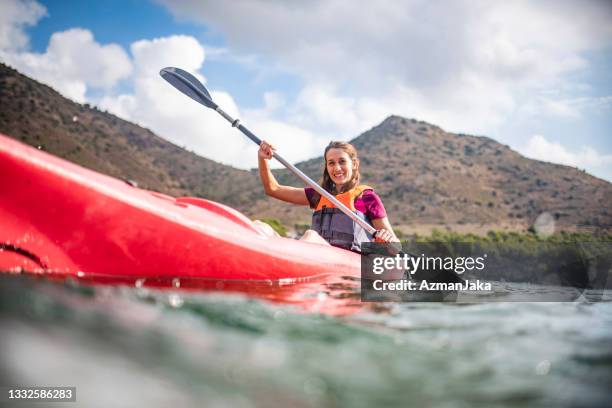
[(36, 114), (430, 178), (427, 177)]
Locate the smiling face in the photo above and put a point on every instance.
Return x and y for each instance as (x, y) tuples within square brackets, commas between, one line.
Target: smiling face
[(340, 167)]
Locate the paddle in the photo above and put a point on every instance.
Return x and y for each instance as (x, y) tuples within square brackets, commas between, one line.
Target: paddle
[(190, 86), (193, 88)]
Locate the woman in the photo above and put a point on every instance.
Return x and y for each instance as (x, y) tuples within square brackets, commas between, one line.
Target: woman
[(340, 178)]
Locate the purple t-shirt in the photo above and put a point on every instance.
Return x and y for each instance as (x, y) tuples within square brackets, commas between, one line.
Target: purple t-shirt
[(368, 203)]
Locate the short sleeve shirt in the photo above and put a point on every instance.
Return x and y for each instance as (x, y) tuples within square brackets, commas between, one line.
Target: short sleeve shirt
[(368, 203)]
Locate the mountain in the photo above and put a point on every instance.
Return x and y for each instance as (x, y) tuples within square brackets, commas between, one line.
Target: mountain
[(431, 178), (38, 115), (426, 177)]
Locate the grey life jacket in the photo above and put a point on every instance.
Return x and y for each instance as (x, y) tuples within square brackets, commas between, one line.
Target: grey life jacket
[(338, 228)]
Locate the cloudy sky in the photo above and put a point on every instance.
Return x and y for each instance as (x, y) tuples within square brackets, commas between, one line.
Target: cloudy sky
[(536, 75)]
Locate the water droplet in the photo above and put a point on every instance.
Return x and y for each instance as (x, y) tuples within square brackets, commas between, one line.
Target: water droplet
[(175, 300), (80, 274), (287, 281), (176, 283), (139, 283), (321, 296), (544, 225), (543, 367)]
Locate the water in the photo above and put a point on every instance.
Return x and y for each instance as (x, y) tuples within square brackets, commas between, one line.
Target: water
[(137, 346)]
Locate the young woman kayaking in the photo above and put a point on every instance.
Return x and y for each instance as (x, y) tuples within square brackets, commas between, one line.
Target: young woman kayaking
[(341, 178)]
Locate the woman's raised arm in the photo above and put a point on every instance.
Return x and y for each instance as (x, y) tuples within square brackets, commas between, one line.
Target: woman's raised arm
[(271, 186)]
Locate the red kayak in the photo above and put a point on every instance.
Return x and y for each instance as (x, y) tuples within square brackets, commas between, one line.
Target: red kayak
[(59, 218)]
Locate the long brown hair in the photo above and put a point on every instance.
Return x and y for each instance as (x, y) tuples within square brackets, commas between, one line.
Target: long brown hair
[(326, 181)]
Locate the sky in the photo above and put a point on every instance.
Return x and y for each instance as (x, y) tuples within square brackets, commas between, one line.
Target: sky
[(535, 75)]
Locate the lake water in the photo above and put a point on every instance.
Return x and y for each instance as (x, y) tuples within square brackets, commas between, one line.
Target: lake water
[(133, 346)]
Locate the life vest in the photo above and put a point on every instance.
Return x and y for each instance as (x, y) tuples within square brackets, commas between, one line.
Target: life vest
[(338, 228)]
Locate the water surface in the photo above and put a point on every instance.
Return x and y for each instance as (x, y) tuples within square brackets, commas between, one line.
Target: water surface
[(133, 346)]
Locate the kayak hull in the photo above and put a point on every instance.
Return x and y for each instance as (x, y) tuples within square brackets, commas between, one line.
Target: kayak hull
[(57, 217)]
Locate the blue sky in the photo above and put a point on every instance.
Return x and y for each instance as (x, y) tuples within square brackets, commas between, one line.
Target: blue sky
[(123, 22), (301, 74)]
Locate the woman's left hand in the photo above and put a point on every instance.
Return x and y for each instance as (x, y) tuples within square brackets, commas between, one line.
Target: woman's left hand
[(383, 235)]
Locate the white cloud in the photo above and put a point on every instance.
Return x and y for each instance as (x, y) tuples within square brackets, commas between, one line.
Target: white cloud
[(73, 62), (551, 107), (540, 148), (568, 108), (15, 16), (181, 50), (466, 66), (157, 105)]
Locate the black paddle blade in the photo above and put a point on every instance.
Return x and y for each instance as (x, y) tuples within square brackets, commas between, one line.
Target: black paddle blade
[(189, 85)]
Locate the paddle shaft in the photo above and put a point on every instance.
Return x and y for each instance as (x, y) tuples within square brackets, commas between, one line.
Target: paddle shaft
[(236, 123), (190, 86)]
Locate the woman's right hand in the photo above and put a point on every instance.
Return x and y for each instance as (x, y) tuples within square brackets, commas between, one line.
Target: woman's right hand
[(265, 150)]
